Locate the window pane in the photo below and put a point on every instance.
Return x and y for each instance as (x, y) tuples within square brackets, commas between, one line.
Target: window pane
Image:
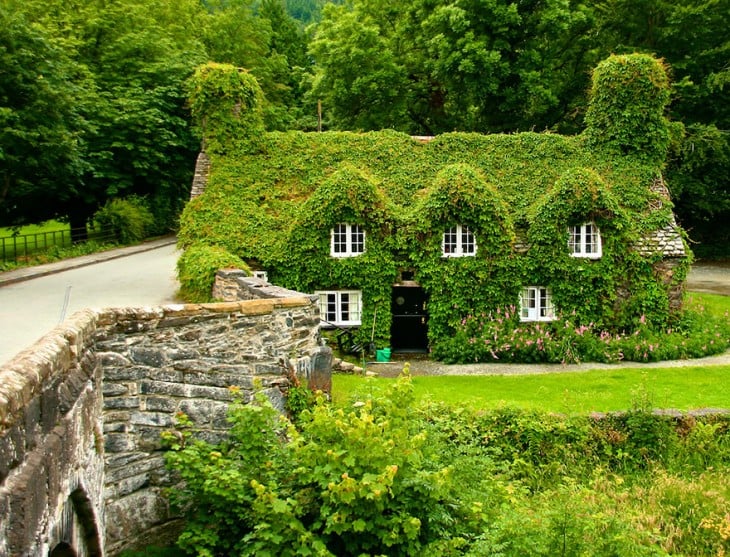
[(344, 306), (358, 239), (354, 306), (450, 239), (467, 240), (331, 307), (339, 243), (590, 239), (574, 240), (543, 302)]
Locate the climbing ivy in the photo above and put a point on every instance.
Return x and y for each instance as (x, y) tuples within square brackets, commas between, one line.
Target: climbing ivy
[(626, 114), (226, 104), (277, 204)]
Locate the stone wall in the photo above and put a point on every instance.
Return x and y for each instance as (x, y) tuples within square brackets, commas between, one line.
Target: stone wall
[(184, 359), (81, 412), (51, 445)]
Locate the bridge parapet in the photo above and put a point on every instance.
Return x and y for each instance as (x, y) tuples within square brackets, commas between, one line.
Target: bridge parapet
[(81, 412)]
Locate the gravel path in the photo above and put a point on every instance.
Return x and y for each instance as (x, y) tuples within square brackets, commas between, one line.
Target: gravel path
[(421, 366)]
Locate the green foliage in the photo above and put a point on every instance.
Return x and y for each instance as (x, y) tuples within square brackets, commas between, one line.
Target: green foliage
[(629, 96), (197, 267), (278, 205), (355, 482), (432, 66), (130, 220), (500, 336), (42, 121), (225, 101), (383, 476)]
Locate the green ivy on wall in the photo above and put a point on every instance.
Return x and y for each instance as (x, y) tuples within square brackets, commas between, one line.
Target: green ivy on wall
[(276, 205)]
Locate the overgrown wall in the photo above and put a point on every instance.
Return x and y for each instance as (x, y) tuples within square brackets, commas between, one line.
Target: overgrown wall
[(81, 412)]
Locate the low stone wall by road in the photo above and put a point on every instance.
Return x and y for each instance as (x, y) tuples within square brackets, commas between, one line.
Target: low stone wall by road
[(81, 412)]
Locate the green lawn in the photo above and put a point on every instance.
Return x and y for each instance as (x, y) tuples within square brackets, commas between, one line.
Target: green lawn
[(48, 226), (682, 388), (572, 393)]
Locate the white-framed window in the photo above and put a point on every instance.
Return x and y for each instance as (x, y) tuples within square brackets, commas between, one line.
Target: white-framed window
[(262, 275), (340, 307), (347, 240), (458, 241), (584, 241), (536, 304)]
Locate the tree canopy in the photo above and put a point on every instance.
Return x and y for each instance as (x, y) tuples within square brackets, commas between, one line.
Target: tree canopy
[(92, 95)]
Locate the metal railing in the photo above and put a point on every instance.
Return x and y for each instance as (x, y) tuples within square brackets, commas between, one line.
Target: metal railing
[(21, 246)]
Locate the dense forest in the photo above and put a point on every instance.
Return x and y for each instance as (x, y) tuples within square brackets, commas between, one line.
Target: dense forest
[(93, 92)]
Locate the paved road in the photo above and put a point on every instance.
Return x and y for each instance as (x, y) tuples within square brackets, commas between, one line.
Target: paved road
[(30, 307)]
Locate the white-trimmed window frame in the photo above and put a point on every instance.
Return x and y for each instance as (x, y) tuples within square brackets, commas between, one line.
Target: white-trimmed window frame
[(536, 304), (584, 241), (458, 241), (340, 308), (347, 240)]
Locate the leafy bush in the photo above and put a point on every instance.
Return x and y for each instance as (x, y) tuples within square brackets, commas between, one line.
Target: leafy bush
[(197, 267), (384, 477), (130, 219), (364, 481)]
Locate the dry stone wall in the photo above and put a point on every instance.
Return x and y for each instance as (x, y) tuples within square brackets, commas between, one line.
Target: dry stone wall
[(81, 412)]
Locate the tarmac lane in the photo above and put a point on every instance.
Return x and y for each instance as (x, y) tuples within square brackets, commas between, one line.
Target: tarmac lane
[(31, 307)]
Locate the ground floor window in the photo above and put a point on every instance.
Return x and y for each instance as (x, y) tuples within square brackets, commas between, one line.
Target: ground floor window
[(536, 304), (340, 307)]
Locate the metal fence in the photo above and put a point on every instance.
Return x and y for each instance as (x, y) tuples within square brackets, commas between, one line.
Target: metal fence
[(21, 246)]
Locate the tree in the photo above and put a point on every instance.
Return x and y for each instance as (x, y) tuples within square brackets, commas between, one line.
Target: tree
[(42, 125), (694, 39), (129, 63), (438, 65)]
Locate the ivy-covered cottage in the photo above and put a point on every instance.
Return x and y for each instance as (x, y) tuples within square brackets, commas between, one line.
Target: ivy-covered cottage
[(403, 239)]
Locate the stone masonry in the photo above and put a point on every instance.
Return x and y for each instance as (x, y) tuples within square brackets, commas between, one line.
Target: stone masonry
[(81, 412)]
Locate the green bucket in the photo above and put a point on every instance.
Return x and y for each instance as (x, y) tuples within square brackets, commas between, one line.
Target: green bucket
[(382, 355)]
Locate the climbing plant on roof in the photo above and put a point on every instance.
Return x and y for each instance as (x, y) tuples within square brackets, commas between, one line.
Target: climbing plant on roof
[(348, 196), (226, 104), (459, 286), (626, 111)]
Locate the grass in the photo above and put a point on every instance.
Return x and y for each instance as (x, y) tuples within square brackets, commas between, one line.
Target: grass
[(47, 242), (48, 226), (684, 388)]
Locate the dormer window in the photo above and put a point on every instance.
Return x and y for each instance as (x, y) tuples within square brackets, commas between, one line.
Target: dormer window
[(347, 240), (536, 304), (458, 241), (585, 241)]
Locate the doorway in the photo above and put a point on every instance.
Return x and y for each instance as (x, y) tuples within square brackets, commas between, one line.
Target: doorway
[(409, 331)]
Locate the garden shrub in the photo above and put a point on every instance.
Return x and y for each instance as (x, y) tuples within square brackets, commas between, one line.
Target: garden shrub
[(197, 267), (129, 219), (382, 476), (363, 481), (499, 336)]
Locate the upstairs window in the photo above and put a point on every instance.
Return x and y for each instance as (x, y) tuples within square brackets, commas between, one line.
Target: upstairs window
[(458, 241), (536, 304), (347, 240), (585, 241), (340, 307)]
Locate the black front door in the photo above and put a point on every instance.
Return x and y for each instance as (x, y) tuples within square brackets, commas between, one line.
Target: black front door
[(410, 321)]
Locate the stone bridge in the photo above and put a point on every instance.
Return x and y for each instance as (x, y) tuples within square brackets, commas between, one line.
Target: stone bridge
[(81, 466)]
